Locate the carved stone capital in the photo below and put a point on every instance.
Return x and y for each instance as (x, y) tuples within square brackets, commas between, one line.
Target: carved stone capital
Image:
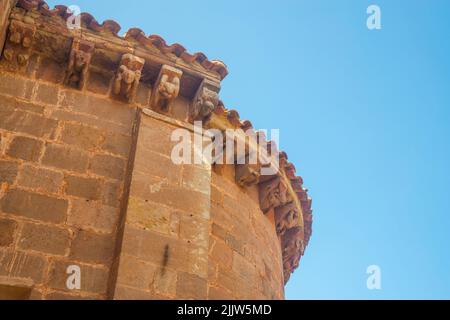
[(286, 217), (79, 61), (18, 45), (128, 76), (205, 101), (166, 89), (273, 193)]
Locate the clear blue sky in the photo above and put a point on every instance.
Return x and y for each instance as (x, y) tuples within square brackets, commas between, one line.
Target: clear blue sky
[(365, 116)]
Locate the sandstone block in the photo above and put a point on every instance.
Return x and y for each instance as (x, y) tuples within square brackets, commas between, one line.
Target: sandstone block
[(65, 158), (25, 148), (40, 179), (191, 287), (87, 188), (93, 247), (7, 231), (108, 166), (47, 239), (8, 171), (92, 214), (17, 264), (34, 206), (81, 136)]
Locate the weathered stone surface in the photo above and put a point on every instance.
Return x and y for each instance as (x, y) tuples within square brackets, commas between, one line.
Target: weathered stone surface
[(221, 253), (136, 273), (87, 188), (93, 215), (191, 287), (25, 148), (7, 230), (81, 136), (219, 293), (65, 158), (40, 179), (148, 215), (92, 247), (34, 206), (112, 192), (108, 166), (47, 94), (45, 239), (8, 171), (27, 122), (118, 144), (18, 264)]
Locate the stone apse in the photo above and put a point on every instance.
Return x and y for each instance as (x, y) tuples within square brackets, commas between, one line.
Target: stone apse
[(87, 180)]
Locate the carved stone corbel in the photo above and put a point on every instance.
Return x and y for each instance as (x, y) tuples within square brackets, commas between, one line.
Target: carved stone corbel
[(292, 249), (205, 101), (286, 217), (247, 174), (79, 61), (273, 193), (18, 45), (128, 76), (166, 89)]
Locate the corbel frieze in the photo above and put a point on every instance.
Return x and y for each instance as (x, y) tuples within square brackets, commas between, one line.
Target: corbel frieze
[(126, 81), (205, 101), (166, 89), (79, 61), (17, 50)]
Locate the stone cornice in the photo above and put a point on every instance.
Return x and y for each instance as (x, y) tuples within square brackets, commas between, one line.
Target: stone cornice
[(170, 71)]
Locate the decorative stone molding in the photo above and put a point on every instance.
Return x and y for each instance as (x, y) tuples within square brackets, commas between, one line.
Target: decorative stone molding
[(80, 58), (166, 89), (128, 76), (18, 46), (205, 101)]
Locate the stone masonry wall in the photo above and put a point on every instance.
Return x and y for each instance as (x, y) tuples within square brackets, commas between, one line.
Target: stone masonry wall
[(62, 171), (245, 256), (191, 233)]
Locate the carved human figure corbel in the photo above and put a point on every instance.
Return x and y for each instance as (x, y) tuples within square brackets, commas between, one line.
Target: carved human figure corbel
[(79, 61), (18, 46), (128, 76), (166, 89), (205, 101), (273, 193), (286, 217)]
